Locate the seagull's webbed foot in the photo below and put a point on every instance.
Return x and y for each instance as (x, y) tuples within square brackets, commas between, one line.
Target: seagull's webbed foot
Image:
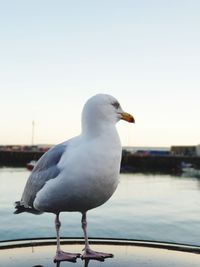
[(94, 255), (66, 256)]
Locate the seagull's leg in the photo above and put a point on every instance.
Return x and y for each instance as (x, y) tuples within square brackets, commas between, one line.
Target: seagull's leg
[(61, 255), (88, 252)]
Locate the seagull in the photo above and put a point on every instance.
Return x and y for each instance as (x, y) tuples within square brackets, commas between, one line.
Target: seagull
[(79, 174)]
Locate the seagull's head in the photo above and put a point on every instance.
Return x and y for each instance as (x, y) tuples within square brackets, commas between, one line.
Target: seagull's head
[(103, 108)]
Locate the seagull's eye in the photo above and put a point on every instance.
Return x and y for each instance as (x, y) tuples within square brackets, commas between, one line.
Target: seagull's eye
[(116, 104)]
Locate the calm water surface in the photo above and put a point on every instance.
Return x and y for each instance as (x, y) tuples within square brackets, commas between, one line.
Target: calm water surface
[(147, 207)]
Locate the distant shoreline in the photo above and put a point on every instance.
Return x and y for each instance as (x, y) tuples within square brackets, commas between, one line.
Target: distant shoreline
[(130, 162)]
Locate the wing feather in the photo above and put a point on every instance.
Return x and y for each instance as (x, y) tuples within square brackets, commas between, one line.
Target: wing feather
[(45, 169)]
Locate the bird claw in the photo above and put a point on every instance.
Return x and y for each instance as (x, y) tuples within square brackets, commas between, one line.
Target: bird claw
[(66, 256), (94, 255)]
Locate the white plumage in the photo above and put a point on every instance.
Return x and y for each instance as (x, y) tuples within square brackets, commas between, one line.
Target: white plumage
[(81, 173)]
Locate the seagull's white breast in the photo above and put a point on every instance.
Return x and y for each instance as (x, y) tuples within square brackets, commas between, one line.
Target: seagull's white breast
[(89, 176)]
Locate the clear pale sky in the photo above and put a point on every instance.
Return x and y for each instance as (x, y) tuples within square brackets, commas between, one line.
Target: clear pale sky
[(54, 55)]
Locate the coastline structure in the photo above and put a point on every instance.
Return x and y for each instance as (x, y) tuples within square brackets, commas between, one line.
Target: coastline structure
[(140, 160)]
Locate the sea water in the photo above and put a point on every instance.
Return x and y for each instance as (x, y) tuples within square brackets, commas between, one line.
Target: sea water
[(145, 207)]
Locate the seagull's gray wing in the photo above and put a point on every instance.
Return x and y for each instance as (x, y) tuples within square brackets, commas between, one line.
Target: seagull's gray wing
[(45, 169)]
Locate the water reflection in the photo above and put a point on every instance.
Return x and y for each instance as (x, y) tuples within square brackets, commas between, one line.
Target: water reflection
[(85, 263), (144, 207)]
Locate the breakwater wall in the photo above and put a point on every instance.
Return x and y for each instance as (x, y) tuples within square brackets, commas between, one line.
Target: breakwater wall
[(165, 164), (130, 162), (18, 158)]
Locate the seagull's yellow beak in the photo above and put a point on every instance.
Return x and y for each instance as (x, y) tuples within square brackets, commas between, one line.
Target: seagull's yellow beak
[(127, 117)]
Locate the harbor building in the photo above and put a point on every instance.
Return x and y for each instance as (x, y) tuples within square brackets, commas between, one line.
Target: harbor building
[(190, 151)]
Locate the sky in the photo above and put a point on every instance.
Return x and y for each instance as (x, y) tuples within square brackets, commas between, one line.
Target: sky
[(55, 54)]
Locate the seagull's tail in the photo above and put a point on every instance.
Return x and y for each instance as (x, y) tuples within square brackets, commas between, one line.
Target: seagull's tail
[(19, 208)]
